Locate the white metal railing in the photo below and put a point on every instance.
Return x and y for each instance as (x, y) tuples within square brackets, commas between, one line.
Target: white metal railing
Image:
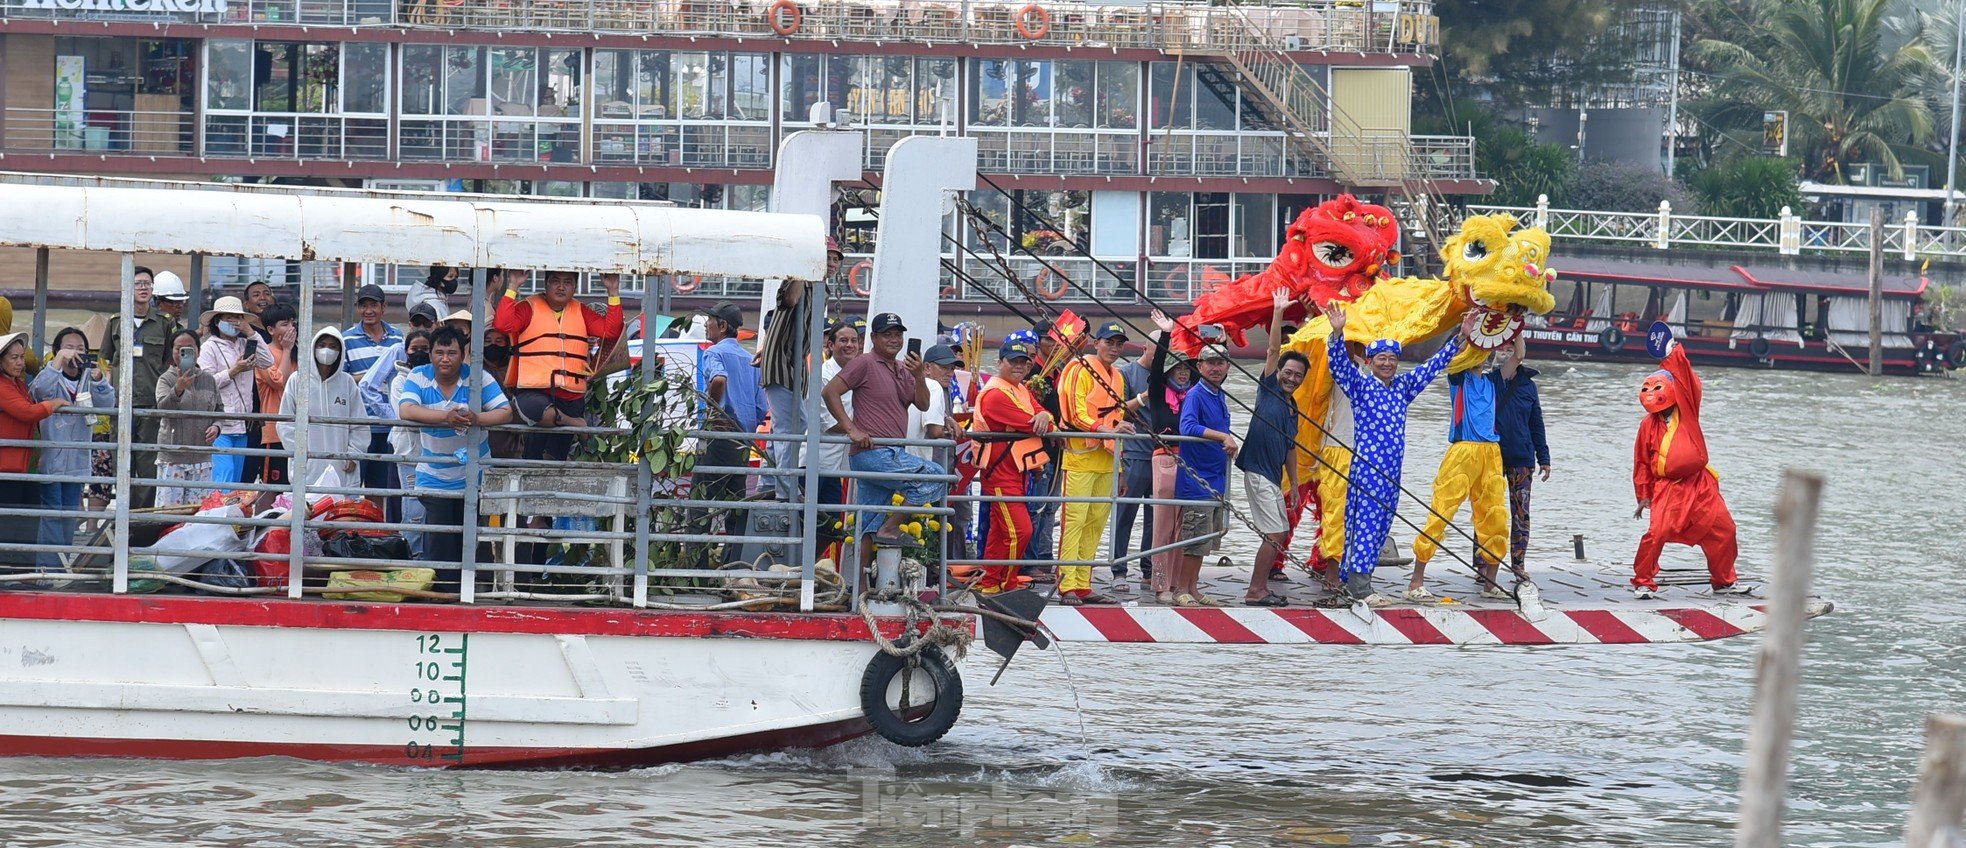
[(1167, 279), (1787, 234), (1383, 26), (99, 131)]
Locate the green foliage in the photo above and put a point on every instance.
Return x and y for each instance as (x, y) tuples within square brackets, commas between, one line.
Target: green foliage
[(1851, 97), (1530, 51), (647, 410), (1748, 187), (1613, 186), (1522, 167)]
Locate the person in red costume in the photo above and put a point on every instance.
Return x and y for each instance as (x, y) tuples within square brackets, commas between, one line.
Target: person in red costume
[(1673, 481)]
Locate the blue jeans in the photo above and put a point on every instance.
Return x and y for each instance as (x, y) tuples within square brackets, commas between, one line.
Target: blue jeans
[(892, 460), (1136, 481), (788, 415), (1044, 516), (227, 467), (57, 531)]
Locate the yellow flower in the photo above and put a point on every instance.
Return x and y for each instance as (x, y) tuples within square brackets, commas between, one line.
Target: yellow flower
[(898, 500), (849, 540), (851, 516), (837, 525), (934, 524), (914, 528)]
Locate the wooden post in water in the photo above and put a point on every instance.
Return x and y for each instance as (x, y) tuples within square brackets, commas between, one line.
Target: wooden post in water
[(1940, 799), (1877, 291), (1778, 662)]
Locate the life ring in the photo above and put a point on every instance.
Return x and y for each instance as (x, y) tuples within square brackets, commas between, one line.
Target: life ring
[(1050, 284), (784, 17), (855, 278), (1033, 22), (1612, 338), (1759, 347), (911, 727), (1956, 354), (686, 285)]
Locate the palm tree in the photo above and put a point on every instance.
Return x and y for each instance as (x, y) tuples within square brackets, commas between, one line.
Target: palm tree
[(1849, 98)]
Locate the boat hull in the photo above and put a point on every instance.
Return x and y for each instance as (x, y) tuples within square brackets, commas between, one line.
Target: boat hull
[(195, 678), (1785, 356)]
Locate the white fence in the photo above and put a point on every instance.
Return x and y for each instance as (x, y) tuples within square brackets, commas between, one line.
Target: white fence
[(1787, 235)]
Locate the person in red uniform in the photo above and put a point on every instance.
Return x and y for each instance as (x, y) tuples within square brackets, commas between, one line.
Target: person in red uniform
[(1006, 406), (1673, 481)]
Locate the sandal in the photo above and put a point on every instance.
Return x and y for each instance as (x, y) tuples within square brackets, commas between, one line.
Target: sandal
[(1206, 601), (1418, 594), (1270, 600), (1166, 598), (1070, 600), (1497, 593), (1186, 600), (1097, 599)]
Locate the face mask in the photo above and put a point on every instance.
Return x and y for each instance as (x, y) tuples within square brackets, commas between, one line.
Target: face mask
[(227, 330), (326, 355), (497, 353), (1658, 393), (419, 358), (447, 286)]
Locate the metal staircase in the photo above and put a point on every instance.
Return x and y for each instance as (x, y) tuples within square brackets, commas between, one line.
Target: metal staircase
[(1245, 57)]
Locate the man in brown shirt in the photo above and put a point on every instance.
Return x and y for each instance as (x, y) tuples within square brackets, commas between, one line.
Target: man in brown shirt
[(883, 388)]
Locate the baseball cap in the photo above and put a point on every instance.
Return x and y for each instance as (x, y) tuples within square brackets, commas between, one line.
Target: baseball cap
[(888, 321), (1213, 351), (369, 292), (424, 310), (941, 355), (1110, 330), (1013, 349), (724, 311)]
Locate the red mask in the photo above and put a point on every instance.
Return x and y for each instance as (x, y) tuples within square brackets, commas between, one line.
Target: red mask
[(1659, 393)]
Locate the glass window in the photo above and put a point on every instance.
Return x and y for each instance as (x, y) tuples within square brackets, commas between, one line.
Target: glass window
[(274, 76), (656, 88), (514, 80), (422, 79), (1169, 219), (749, 198), (365, 75), (693, 76), (1256, 230), (464, 81), (561, 94), (1030, 104), (1212, 225), (229, 72), (1075, 94), (989, 97), (750, 80), (887, 84), (1118, 104), (935, 91), (805, 84), (1170, 106), (1213, 111)]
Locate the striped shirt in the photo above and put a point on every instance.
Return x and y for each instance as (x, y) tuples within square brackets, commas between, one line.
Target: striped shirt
[(362, 352), (440, 469)]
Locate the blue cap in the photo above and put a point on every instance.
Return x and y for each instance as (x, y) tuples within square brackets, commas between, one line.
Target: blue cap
[(1014, 348), (1110, 330), (1382, 346), (1022, 336)]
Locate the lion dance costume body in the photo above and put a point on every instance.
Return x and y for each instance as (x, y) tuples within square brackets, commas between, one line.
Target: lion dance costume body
[(1670, 471), (1491, 267)]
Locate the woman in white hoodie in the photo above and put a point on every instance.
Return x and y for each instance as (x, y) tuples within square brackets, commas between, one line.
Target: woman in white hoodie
[(335, 395)]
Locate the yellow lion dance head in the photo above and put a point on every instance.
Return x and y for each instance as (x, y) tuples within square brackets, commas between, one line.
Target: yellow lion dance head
[(1501, 272)]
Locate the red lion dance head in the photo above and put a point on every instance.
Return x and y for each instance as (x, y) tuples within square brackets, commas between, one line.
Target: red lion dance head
[(1334, 251)]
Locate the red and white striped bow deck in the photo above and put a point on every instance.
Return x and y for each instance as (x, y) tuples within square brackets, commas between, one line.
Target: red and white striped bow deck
[(1586, 604)]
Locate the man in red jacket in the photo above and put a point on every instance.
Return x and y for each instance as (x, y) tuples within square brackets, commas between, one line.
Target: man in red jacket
[(1672, 479)]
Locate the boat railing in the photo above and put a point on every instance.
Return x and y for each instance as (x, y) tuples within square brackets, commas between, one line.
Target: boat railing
[(657, 512)]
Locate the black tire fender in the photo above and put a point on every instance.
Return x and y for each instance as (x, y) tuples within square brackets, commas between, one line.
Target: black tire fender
[(1956, 354), (1759, 347), (896, 727)]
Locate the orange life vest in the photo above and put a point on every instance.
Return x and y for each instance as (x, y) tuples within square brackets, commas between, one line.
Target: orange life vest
[(1026, 453), (1099, 384), (554, 350)]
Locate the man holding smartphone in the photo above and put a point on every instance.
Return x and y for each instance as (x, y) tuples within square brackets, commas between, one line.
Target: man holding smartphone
[(883, 388)]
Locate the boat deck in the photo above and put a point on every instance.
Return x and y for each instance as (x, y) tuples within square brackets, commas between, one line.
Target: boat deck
[(1586, 602)]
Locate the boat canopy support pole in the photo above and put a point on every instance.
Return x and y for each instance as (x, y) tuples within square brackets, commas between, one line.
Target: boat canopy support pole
[(125, 403), (809, 514), (474, 465), (41, 302), (307, 375), (644, 475)]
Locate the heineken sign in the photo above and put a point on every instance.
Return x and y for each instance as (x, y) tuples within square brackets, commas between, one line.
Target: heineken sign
[(157, 6)]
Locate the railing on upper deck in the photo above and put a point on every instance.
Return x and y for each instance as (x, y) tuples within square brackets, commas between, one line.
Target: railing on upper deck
[(1786, 235), (1402, 26)]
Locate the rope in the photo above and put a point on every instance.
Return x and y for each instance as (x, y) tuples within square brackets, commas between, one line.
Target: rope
[(915, 637)]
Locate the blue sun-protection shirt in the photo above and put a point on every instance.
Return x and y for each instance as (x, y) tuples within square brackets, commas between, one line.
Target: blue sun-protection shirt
[(1472, 397)]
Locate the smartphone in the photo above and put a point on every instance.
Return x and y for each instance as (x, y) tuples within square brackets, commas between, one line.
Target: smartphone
[(252, 347), (88, 361), (187, 359), (914, 347)]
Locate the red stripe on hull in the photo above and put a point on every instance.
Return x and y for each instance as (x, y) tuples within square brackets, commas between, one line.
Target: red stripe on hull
[(344, 615), (813, 736), (1704, 624), (1606, 627), (1116, 624), (1220, 626), (1411, 624), (1510, 627), (1318, 627)]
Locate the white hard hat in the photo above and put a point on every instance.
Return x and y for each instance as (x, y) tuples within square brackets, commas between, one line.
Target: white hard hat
[(167, 285)]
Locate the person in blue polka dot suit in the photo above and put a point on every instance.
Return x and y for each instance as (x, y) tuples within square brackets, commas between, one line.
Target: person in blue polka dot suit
[(1379, 399)]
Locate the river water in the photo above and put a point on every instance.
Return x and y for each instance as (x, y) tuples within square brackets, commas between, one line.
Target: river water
[(1132, 745)]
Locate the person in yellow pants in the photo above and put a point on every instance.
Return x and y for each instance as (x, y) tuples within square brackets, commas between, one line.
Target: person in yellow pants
[(1471, 473), (1091, 396), (1332, 476)]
